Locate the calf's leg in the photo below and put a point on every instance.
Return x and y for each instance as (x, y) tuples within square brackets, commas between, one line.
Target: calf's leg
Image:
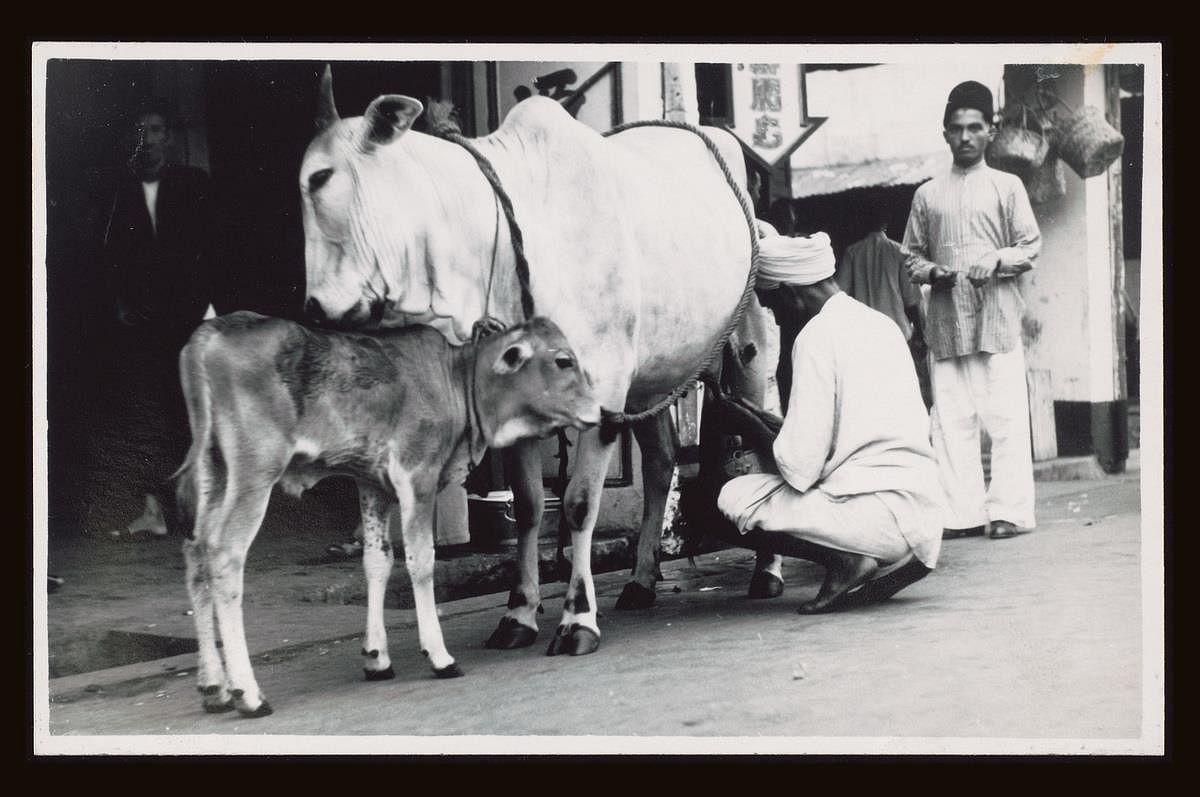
[(210, 672), (378, 559), (227, 561), (416, 523)]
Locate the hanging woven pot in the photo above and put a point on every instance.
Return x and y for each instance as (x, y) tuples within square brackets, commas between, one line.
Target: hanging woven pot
[(1047, 182), (1086, 142), (1016, 148)]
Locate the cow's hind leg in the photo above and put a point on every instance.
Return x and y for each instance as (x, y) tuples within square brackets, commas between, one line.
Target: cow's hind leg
[(227, 561), (579, 634), (378, 559), (416, 522), (518, 628), (659, 445)]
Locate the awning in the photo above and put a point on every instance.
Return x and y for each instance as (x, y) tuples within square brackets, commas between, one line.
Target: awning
[(893, 171)]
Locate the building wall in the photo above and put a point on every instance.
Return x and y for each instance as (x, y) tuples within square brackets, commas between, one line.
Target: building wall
[(881, 112), (1068, 328)]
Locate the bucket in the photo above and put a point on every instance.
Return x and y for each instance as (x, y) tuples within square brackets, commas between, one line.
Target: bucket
[(494, 522)]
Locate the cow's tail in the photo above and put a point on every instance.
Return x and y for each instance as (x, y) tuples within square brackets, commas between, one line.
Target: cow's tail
[(194, 476)]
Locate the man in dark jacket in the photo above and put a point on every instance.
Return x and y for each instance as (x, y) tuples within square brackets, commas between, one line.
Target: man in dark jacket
[(157, 257)]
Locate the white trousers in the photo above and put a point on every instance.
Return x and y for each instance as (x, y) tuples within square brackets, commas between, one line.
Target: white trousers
[(985, 390), (860, 524)]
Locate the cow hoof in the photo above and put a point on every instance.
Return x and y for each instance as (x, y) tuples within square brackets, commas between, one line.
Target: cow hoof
[(449, 671), (575, 640), (510, 635), (264, 709), (765, 585), (635, 596), (379, 675)]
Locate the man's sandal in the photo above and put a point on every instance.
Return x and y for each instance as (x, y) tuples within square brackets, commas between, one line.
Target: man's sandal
[(1002, 530)]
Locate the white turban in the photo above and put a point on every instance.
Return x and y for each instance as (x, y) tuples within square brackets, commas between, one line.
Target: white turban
[(798, 261)]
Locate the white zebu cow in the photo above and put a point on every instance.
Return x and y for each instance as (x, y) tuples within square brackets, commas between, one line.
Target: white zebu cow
[(638, 247)]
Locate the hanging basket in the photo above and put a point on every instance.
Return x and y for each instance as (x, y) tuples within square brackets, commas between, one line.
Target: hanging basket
[(1047, 182), (1016, 148), (1086, 142)]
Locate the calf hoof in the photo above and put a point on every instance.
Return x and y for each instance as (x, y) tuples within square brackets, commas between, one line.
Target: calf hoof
[(575, 640), (264, 710), (510, 635), (765, 585), (379, 675), (635, 596), (449, 671), (212, 700)]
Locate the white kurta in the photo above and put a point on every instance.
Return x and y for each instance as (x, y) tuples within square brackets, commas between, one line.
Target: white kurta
[(856, 435), (978, 369)]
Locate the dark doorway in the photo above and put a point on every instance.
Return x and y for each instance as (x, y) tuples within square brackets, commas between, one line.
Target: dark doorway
[(260, 123)]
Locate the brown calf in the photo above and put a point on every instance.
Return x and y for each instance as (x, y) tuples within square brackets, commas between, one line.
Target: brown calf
[(402, 412)]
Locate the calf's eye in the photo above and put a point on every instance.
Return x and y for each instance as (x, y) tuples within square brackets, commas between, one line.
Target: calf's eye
[(564, 362)]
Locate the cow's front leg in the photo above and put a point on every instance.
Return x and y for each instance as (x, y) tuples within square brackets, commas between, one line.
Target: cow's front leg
[(418, 496), (658, 443), (518, 628), (579, 634), (378, 559)]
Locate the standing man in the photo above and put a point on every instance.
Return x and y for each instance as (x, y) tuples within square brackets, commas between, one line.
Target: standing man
[(853, 485), (158, 261), (971, 233), (873, 271)]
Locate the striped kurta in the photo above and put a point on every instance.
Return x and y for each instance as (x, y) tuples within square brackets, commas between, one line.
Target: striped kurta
[(968, 215)]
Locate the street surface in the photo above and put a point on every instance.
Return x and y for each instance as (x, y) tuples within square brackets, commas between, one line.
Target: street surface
[(1037, 638)]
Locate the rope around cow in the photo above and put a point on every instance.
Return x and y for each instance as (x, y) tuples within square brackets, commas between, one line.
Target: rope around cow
[(613, 422)]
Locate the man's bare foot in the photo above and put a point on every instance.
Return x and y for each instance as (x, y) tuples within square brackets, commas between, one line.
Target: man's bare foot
[(151, 522), (845, 573)]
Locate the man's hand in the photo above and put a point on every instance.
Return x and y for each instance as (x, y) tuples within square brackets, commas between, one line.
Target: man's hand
[(942, 278), (983, 270)]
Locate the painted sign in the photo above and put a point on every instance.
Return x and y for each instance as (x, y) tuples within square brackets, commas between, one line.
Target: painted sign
[(769, 114)]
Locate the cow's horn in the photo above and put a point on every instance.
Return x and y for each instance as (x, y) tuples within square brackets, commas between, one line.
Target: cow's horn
[(326, 109)]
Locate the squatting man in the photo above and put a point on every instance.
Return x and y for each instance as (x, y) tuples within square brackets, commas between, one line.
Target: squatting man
[(857, 487)]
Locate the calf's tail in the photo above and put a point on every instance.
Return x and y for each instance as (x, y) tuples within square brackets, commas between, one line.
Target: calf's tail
[(191, 477)]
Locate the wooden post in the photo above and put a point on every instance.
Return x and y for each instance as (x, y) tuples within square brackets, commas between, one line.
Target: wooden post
[(1041, 414)]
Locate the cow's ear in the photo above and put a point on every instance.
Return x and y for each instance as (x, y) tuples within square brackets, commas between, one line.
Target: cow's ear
[(513, 358), (326, 110), (388, 118)]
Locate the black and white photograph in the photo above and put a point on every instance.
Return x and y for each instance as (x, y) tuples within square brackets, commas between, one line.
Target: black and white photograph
[(535, 399)]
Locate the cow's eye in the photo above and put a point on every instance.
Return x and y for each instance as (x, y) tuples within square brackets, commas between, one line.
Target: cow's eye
[(564, 362), (319, 178)]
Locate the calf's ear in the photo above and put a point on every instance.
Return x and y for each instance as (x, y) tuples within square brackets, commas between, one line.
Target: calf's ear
[(513, 358), (388, 118)]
